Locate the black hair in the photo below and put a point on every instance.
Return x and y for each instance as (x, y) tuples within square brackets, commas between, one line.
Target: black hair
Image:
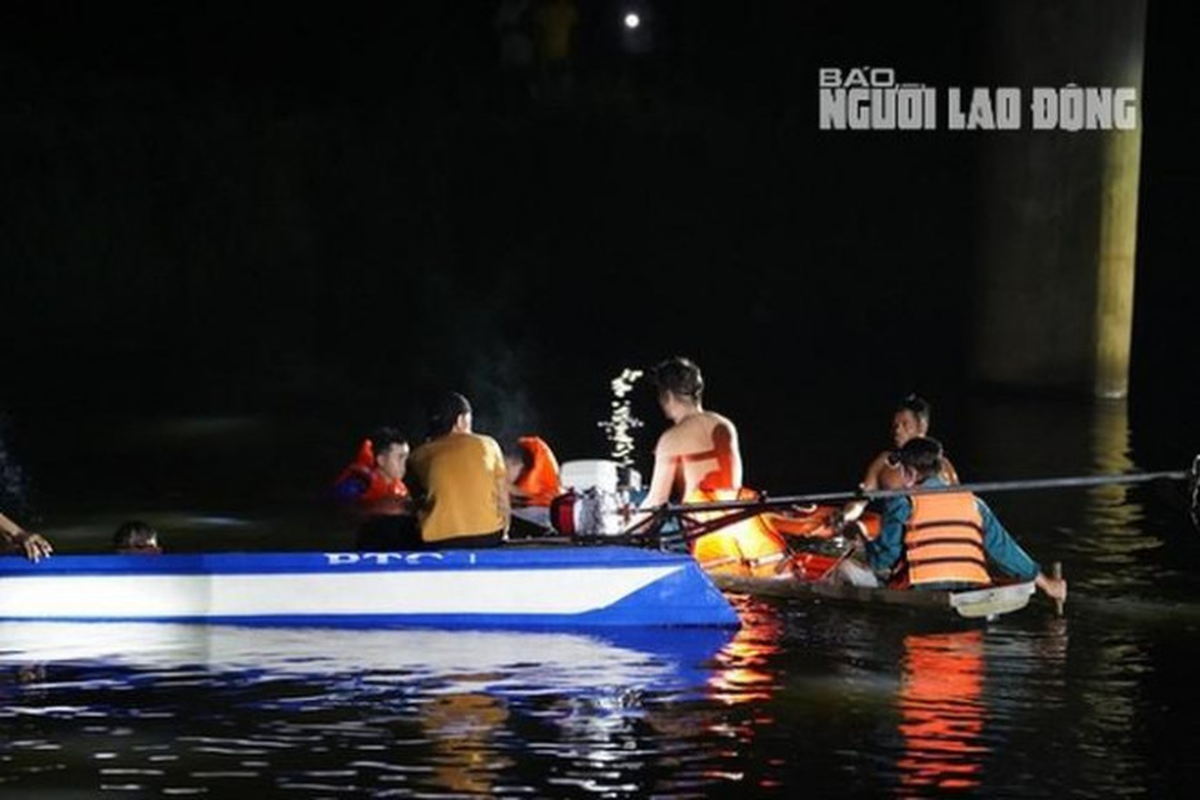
[(916, 404), (383, 437), (923, 455), (516, 451), (679, 376), (134, 534), (445, 410)]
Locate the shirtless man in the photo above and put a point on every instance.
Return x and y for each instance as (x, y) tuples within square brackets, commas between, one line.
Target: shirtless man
[(910, 420), (700, 450)]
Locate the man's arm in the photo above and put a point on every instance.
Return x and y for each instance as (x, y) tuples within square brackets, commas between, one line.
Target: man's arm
[(33, 545), (949, 473), (500, 476), (11, 529), (1009, 557), (1002, 549), (870, 481), (503, 501), (663, 477), (886, 549)]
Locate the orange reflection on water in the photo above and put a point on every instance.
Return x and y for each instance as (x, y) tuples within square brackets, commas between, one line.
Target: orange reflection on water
[(742, 672), (461, 728), (941, 712)]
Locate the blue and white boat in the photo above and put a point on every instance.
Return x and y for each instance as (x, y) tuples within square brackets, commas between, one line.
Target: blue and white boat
[(514, 587)]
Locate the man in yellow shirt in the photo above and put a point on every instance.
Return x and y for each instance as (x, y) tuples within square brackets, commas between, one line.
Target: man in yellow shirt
[(462, 481)]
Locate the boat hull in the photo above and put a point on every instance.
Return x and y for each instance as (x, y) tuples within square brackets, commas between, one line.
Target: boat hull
[(565, 587), (985, 602)]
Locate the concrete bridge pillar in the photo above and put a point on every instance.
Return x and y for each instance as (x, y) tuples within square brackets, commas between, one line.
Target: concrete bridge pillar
[(1058, 209)]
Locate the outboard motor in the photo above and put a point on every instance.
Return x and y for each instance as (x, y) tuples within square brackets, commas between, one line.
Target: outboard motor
[(597, 498)]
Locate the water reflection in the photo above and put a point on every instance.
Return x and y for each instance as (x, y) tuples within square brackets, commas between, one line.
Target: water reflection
[(942, 711), (1114, 538), (324, 710), (445, 661), (462, 729), (1099, 533), (744, 671)]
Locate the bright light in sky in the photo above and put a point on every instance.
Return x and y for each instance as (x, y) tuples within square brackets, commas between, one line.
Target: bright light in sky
[(632, 20)]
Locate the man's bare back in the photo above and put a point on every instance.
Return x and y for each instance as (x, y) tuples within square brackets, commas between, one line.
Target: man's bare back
[(700, 452), (700, 449)]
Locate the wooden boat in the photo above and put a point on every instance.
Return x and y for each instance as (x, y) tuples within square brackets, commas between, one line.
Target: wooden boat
[(986, 602), (794, 553), (518, 587), (789, 546)]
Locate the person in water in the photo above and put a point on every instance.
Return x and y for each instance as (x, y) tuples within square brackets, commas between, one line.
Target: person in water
[(136, 538), (373, 485), (33, 546), (940, 541), (909, 420), (534, 481), (461, 481), (375, 479), (699, 452)]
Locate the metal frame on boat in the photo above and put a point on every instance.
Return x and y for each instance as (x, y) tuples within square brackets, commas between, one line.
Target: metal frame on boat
[(525, 587)]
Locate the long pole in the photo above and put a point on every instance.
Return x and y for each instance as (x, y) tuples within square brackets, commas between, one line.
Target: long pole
[(765, 501)]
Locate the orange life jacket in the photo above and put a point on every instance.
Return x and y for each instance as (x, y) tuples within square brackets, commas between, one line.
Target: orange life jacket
[(816, 521), (379, 486), (943, 540), (539, 483), (749, 548)]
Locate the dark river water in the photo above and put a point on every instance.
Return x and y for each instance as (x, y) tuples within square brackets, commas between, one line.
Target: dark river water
[(820, 699)]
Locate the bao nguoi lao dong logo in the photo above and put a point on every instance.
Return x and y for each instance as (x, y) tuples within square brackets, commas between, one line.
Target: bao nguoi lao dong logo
[(871, 99)]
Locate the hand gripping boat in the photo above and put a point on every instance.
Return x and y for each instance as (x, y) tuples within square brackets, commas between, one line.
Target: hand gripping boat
[(517, 587)]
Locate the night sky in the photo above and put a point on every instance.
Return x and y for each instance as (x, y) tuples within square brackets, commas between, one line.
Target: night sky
[(216, 210)]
